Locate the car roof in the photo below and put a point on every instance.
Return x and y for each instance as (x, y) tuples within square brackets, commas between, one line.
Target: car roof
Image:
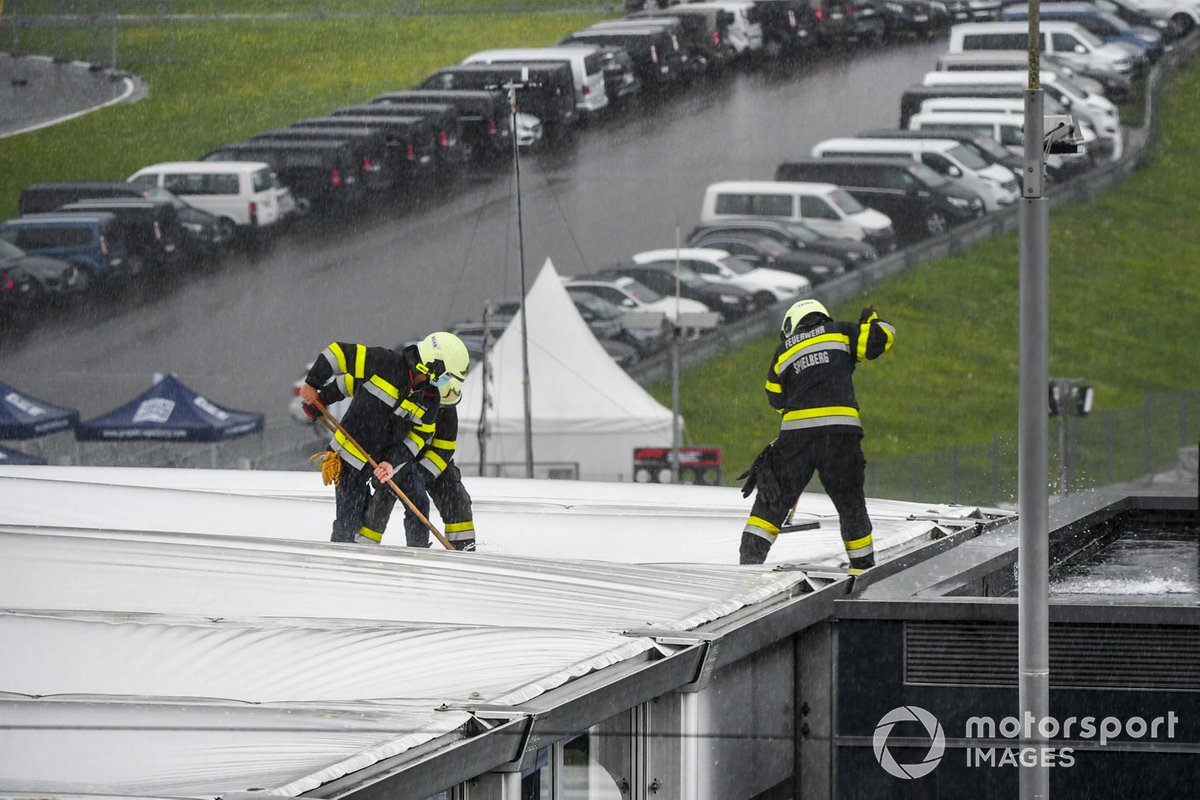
[(668, 254), (205, 166), (56, 217)]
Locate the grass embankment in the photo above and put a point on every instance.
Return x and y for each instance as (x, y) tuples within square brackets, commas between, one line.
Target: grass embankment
[(231, 79), (1123, 293)]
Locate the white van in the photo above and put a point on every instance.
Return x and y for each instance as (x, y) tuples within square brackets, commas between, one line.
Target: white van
[(586, 66), (996, 184), (1006, 128), (827, 209), (742, 35), (244, 195), (1098, 112), (1066, 39), (1015, 107)]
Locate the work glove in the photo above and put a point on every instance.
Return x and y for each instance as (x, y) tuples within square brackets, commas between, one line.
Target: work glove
[(761, 477), (868, 315), (312, 412), (331, 466)]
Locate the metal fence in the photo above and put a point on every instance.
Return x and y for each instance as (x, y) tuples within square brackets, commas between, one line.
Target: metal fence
[(1120, 446)]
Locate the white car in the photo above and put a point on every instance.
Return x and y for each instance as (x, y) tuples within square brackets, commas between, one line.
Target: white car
[(719, 266), (633, 295), (529, 129)]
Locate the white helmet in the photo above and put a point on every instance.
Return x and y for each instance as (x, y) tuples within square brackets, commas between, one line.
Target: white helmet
[(796, 314), (444, 358)]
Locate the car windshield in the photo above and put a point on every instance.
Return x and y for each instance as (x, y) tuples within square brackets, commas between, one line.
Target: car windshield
[(738, 266), (598, 306), (771, 247), (687, 276), (846, 202), (1089, 37), (991, 147), (159, 193), (803, 232), (9, 250), (640, 290), (927, 177), (968, 158), (1070, 87)]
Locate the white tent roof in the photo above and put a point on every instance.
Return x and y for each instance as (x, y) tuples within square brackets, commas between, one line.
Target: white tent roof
[(584, 409), (180, 633)]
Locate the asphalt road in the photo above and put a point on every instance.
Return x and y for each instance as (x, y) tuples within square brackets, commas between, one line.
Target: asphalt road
[(242, 333)]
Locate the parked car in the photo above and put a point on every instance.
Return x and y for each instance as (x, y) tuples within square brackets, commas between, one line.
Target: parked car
[(1067, 39), (794, 236), (244, 196), (760, 250), (913, 18), (1156, 15), (150, 228), (621, 81), (1006, 128), (745, 32), (920, 202), (788, 26), (1104, 26), (632, 295), (443, 120), (485, 117), (204, 238), (654, 51), (585, 65), (995, 184), (28, 282), (866, 24), (92, 242), (324, 175), (384, 167), (767, 286), (597, 311), (982, 144), (704, 31), (40, 198), (547, 87), (822, 206), (1106, 82), (731, 302)]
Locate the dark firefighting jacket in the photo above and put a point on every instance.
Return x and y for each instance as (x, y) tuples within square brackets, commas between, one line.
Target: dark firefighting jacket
[(439, 451), (809, 380), (388, 417)]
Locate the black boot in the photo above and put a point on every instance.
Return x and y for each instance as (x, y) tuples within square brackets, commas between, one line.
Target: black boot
[(754, 549), (861, 564)]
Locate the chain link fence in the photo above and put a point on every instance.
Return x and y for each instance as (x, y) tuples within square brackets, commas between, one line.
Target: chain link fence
[(1121, 446)]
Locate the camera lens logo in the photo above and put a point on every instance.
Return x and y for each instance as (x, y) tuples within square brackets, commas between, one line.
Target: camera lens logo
[(937, 742)]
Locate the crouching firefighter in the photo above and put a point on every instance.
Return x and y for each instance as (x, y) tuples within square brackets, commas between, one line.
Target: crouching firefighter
[(432, 475), (394, 398), (809, 382)]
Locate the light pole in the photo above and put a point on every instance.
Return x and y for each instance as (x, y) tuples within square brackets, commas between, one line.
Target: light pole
[(512, 87)]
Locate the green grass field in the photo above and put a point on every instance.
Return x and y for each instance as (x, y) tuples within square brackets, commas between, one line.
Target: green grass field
[(1123, 283)]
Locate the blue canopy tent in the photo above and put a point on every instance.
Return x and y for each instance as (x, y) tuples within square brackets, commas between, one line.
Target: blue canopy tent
[(24, 417), (170, 410), (8, 457)]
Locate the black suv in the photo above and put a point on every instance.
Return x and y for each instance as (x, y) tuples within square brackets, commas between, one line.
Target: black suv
[(484, 116), (548, 87), (920, 202)]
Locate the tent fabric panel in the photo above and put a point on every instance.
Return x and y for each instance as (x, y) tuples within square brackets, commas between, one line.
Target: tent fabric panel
[(24, 417), (170, 410)]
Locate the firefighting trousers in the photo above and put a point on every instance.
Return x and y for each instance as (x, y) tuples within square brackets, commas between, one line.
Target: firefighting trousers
[(351, 496), (448, 494), (837, 458)]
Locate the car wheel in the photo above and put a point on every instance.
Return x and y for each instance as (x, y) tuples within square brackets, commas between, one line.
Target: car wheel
[(764, 299), (225, 228), (303, 205), (936, 223), (1182, 25)]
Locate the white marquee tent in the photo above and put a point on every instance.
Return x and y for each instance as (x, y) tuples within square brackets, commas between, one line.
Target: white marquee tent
[(585, 410)]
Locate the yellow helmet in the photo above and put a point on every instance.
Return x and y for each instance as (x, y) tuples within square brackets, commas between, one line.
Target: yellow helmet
[(444, 358), (796, 314)]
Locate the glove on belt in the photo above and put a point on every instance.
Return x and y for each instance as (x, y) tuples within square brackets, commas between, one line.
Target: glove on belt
[(331, 466)]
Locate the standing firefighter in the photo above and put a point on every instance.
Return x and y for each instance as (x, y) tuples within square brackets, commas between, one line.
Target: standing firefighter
[(809, 382), (432, 475), (394, 398)]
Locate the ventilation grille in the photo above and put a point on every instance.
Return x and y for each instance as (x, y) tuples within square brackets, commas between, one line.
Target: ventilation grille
[(1081, 656)]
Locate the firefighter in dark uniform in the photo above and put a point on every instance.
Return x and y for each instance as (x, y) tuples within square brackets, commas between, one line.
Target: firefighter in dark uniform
[(809, 382), (394, 399), (433, 475)]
